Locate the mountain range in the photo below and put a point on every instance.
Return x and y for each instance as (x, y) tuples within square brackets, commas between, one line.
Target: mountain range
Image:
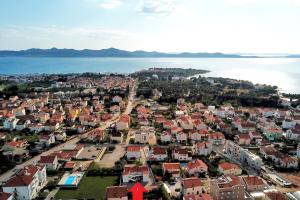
[(113, 52)]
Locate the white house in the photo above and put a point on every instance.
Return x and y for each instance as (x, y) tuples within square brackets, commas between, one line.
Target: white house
[(166, 137), (26, 184), (134, 173), (202, 148), (51, 162), (192, 186), (181, 155), (123, 123), (133, 152), (181, 137), (158, 154)]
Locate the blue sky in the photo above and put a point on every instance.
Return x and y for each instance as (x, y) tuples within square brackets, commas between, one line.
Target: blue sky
[(229, 26)]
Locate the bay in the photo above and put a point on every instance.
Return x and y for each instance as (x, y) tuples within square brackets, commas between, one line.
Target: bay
[(283, 72)]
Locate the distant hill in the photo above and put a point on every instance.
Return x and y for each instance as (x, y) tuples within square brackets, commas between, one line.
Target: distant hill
[(111, 52)]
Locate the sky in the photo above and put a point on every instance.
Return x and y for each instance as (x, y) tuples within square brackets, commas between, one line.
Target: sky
[(228, 26)]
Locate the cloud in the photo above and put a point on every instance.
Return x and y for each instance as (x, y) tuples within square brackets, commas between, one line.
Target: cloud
[(19, 37), (106, 4), (164, 7), (110, 4)]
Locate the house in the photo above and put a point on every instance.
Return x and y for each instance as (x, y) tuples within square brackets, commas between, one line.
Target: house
[(216, 138), (117, 193), (191, 186), (254, 183), (115, 109), (273, 134), (227, 168), (15, 149), (293, 134), (116, 136), (256, 137), (146, 134), (116, 99), (181, 137), (51, 162), (287, 161), (51, 126), (275, 195), (166, 137), (243, 139), (123, 123), (96, 135), (185, 122), (167, 124), (136, 173), (133, 152), (250, 159), (202, 148), (172, 168), (227, 187), (22, 124), (26, 184), (195, 135), (198, 124), (199, 107), (181, 154), (195, 167), (246, 126), (36, 127), (158, 154), (47, 139)]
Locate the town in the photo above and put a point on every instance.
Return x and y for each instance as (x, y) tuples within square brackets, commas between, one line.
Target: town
[(180, 134)]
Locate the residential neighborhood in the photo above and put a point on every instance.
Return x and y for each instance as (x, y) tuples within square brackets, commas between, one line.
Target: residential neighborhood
[(94, 137)]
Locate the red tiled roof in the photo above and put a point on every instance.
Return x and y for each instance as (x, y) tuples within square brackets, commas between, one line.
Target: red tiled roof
[(69, 165), (191, 182), (159, 151), (23, 177), (128, 169), (47, 159), (228, 166), (276, 196), (253, 180), (171, 166), (133, 148), (217, 135), (196, 163)]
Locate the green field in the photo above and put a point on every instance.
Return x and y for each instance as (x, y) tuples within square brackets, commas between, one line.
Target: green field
[(92, 187)]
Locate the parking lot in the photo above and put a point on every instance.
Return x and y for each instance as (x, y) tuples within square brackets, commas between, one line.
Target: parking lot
[(90, 153)]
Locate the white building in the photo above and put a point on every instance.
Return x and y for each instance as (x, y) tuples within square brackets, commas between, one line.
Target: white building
[(26, 184), (135, 173)]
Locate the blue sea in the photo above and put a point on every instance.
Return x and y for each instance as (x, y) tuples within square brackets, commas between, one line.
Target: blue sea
[(283, 72)]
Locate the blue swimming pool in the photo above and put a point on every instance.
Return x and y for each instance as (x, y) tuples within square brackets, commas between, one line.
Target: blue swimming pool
[(70, 180)]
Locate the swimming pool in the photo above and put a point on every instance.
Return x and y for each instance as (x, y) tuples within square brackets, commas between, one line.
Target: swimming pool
[(70, 180)]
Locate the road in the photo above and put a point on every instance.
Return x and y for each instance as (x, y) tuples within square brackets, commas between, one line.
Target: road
[(4, 177)]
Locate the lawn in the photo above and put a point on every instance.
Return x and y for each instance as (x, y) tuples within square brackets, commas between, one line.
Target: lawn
[(92, 187)]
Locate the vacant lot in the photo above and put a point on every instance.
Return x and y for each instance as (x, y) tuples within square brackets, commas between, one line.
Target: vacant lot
[(89, 188)]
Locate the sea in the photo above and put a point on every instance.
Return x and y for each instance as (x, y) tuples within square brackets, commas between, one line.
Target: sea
[(282, 72)]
